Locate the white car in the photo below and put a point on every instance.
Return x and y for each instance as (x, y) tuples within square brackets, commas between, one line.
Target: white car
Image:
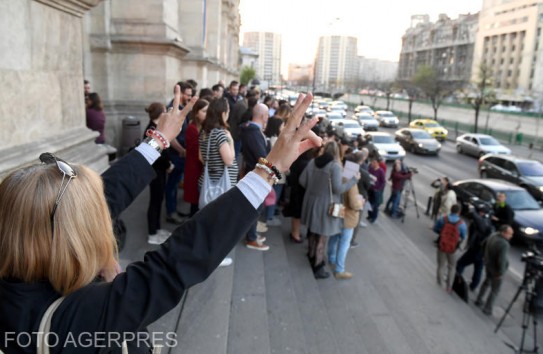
[(386, 145), (337, 109), (351, 128), (367, 121), (367, 109), (479, 145), (387, 119)]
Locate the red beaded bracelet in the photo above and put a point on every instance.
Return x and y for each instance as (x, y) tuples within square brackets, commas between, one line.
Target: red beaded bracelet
[(271, 167), (152, 133)]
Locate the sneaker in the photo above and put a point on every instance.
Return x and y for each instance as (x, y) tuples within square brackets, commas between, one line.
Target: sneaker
[(321, 274), (174, 219), (226, 262), (164, 233), (156, 239), (354, 244), (260, 239), (362, 224), (261, 227), (254, 245), (273, 222), (343, 275)]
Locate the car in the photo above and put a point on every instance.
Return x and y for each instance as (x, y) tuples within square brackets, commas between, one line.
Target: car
[(351, 128), (503, 108), (367, 109), (340, 104), (432, 127), (387, 119), (334, 115), (385, 144), (418, 141), (337, 109), (525, 173), (528, 219), (367, 121), (479, 145)]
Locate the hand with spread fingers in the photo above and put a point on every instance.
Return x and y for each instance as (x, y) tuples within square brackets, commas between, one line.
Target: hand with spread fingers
[(296, 138), (170, 123)]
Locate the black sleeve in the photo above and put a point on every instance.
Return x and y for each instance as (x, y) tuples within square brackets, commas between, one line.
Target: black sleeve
[(509, 215)]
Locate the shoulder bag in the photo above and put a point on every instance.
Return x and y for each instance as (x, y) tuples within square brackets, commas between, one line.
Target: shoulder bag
[(212, 190)]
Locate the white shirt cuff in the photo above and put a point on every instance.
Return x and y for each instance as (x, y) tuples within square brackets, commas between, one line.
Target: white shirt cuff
[(150, 154), (254, 188)]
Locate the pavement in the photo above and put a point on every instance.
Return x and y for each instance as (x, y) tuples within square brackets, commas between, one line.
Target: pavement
[(269, 302)]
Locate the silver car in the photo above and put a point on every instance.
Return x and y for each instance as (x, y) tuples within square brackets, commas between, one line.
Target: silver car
[(367, 121), (418, 141), (387, 119), (479, 145), (386, 145)]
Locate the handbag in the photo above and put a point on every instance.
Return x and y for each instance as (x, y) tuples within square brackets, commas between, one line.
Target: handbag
[(45, 328), (271, 198), (212, 190), (336, 210)]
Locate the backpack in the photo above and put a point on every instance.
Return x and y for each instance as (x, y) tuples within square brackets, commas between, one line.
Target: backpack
[(449, 236)]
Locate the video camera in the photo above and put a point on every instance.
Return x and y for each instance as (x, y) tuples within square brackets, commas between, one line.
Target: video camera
[(533, 258)]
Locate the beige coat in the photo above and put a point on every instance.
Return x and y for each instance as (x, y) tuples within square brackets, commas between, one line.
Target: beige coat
[(352, 203)]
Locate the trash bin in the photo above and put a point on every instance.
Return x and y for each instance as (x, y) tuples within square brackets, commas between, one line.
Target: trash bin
[(518, 138), (131, 134)]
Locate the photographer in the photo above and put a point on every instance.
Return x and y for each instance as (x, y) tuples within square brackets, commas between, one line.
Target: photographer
[(479, 230), (398, 176)]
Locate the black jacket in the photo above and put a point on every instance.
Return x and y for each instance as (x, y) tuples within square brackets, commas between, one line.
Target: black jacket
[(147, 289), (254, 145)]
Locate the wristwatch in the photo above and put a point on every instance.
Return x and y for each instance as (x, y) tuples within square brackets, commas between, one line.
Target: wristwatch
[(153, 143)]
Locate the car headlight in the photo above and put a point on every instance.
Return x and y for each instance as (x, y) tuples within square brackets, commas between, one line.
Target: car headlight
[(541, 189), (445, 131), (438, 145), (382, 152), (529, 230), (420, 145)]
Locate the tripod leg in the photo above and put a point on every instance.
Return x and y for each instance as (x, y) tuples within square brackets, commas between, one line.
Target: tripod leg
[(520, 288), (534, 322)]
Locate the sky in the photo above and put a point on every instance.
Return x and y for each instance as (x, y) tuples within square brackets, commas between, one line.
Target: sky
[(378, 25)]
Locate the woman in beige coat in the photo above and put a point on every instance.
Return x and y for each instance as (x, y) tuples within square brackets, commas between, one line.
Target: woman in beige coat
[(338, 245)]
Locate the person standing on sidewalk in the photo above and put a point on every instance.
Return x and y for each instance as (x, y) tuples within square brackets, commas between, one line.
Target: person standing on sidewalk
[(503, 214), (375, 193), (398, 176), (496, 264), (452, 231)]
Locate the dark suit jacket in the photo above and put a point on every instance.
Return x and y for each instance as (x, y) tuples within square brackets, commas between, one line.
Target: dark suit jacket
[(146, 290)]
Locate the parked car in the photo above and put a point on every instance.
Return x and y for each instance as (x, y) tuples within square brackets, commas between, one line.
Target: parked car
[(432, 127), (367, 109), (387, 147), (528, 220), (479, 145), (418, 141), (387, 119), (367, 121), (351, 127), (523, 172)]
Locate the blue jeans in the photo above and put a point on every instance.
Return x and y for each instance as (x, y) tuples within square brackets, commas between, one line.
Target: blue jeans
[(474, 257), (375, 199), (338, 246), (270, 210), (394, 202), (173, 183), (252, 235), (237, 148)]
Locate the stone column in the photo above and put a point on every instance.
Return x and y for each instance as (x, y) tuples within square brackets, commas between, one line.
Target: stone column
[(41, 100)]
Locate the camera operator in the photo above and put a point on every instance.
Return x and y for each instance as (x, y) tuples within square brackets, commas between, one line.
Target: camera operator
[(496, 264), (398, 176), (479, 230)]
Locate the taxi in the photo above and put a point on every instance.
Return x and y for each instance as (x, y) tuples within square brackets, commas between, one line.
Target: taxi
[(432, 127)]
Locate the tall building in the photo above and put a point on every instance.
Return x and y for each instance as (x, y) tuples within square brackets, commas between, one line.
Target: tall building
[(446, 45), (268, 47), (377, 70), (300, 74), (336, 64), (510, 42)]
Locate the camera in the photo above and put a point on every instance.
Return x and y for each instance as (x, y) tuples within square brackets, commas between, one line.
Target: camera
[(532, 259), (413, 169)]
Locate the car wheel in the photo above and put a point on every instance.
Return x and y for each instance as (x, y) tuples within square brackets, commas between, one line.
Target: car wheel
[(459, 149), (484, 174)]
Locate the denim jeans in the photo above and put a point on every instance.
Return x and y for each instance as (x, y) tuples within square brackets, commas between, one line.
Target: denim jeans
[(474, 257), (393, 202), (252, 235), (375, 199), (270, 210), (338, 246), (173, 183)]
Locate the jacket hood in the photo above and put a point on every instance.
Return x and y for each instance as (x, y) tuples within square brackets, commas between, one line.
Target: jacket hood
[(323, 160)]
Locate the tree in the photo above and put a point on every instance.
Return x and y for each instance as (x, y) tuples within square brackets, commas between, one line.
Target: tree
[(480, 92), (433, 87), (412, 91), (247, 74)]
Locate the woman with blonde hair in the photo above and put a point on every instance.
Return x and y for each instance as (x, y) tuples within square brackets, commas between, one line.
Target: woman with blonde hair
[(323, 185), (56, 239)]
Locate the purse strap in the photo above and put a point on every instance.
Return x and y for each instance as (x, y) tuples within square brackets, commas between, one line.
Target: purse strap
[(330, 188), (45, 326)]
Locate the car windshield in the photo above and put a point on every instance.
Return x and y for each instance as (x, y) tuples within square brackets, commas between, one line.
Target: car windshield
[(521, 200), (386, 114), (432, 125), (383, 139), (530, 168), (364, 117), (487, 140), (351, 125), (420, 134)]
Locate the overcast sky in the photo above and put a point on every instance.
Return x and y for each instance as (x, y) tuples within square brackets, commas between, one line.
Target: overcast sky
[(379, 25)]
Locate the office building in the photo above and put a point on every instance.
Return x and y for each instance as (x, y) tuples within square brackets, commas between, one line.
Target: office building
[(336, 64), (268, 47)]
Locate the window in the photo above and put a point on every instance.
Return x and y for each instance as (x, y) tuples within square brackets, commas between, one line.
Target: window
[(487, 195)]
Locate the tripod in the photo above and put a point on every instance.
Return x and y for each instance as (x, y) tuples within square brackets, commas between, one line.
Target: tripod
[(529, 308), (409, 189)]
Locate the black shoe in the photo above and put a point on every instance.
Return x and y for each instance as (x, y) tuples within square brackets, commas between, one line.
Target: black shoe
[(354, 244), (296, 240), (321, 273), (478, 303)]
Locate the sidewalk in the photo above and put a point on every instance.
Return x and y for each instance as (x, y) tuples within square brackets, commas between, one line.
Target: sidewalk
[(269, 302)]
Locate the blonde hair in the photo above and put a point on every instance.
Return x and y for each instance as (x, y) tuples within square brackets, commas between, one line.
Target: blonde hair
[(333, 149), (82, 242)]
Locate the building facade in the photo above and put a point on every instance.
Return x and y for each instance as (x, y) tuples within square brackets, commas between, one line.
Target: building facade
[(377, 70), (268, 47), (134, 55), (248, 57), (446, 45), (336, 64), (510, 42), (300, 74)]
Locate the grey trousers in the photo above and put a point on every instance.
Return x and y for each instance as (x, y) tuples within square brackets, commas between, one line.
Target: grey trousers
[(450, 261), (495, 284)]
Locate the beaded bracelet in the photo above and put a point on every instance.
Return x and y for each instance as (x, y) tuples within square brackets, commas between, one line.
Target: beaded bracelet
[(271, 174), (273, 169), (153, 133)]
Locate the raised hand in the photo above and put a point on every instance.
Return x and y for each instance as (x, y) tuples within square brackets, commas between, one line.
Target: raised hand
[(170, 123)]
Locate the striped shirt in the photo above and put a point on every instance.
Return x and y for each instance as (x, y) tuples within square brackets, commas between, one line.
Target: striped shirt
[(215, 164)]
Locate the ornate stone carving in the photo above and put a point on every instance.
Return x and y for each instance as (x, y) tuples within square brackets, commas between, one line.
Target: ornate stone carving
[(74, 7)]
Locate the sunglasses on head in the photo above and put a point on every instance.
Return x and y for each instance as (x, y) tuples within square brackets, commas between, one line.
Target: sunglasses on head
[(68, 173)]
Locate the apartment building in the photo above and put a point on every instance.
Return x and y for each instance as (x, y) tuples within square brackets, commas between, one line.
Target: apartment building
[(337, 64), (268, 47)]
